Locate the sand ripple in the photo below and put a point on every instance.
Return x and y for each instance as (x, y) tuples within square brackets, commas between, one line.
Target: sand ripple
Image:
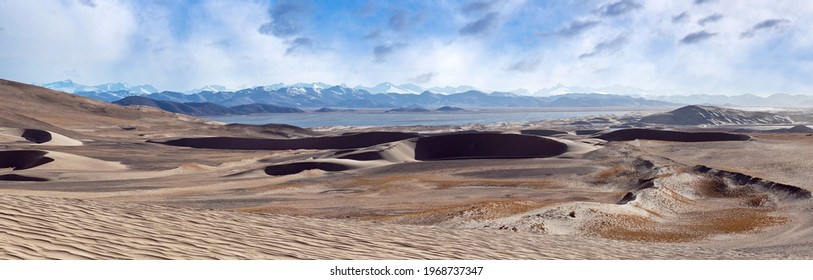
[(57, 228)]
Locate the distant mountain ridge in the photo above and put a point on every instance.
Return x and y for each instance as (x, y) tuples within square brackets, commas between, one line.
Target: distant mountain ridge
[(388, 95), (319, 95), (114, 91), (70, 87), (206, 108)]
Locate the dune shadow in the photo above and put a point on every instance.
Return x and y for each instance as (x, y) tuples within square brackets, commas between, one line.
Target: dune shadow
[(23, 159), (37, 136), (351, 141), (293, 168), (486, 145), (667, 135), (21, 178)]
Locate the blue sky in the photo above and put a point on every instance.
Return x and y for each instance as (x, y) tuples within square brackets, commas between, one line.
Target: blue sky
[(680, 47)]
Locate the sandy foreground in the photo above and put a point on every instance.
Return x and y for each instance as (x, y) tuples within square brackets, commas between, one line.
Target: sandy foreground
[(46, 228), (81, 179)]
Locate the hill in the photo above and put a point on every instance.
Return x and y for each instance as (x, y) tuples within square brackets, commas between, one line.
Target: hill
[(712, 115), (28, 108), (33, 107), (450, 109)]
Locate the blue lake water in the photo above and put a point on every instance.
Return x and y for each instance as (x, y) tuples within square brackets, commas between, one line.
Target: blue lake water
[(310, 120)]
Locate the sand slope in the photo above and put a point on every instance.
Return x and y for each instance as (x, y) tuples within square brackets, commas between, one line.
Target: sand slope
[(46, 228), (37, 136), (49, 160)]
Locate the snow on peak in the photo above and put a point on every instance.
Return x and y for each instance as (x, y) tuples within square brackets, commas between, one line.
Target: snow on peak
[(211, 88), (451, 89), (616, 89), (388, 87)]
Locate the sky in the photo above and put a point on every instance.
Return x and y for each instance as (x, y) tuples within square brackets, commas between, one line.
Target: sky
[(672, 47)]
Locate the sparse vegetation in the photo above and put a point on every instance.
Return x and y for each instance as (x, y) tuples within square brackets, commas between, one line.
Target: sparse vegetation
[(617, 174), (698, 225)]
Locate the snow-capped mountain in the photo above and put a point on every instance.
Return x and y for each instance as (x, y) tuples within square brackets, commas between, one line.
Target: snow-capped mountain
[(66, 86), (412, 87), (210, 88), (389, 88), (271, 87), (560, 89), (71, 87), (315, 85), (137, 89), (450, 89), (384, 95), (521, 91)]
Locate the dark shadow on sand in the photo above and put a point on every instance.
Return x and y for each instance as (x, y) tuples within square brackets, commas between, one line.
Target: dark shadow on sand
[(674, 136)]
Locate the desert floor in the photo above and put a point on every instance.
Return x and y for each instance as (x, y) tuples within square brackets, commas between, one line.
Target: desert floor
[(104, 182)]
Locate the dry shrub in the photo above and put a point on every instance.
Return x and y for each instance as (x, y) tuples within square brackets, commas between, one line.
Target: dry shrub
[(478, 211), (758, 200), (693, 226), (618, 173), (711, 186), (382, 183)]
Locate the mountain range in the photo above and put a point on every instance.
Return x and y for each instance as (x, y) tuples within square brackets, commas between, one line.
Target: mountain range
[(388, 95), (317, 95)]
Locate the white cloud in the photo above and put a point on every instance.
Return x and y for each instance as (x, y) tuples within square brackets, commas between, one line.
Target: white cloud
[(44, 40), (134, 42)]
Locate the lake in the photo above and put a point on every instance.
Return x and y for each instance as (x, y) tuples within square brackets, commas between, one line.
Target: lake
[(380, 118)]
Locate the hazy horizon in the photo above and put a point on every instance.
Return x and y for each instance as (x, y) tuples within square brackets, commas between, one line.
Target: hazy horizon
[(676, 47)]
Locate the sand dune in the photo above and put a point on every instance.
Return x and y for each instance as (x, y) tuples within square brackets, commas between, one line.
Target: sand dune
[(49, 160), (666, 135), (56, 228), (358, 140), (713, 115), (743, 179), (42, 137), (452, 146)]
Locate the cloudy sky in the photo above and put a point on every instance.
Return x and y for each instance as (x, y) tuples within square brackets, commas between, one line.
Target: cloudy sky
[(681, 46)]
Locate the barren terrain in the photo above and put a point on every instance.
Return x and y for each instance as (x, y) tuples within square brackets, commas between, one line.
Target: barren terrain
[(87, 179)]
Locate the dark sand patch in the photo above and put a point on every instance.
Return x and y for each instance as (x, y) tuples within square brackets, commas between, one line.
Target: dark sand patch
[(37, 136), (527, 172), (21, 178), (351, 141), (24, 159), (674, 136), (363, 156), (486, 145), (293, 168)]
